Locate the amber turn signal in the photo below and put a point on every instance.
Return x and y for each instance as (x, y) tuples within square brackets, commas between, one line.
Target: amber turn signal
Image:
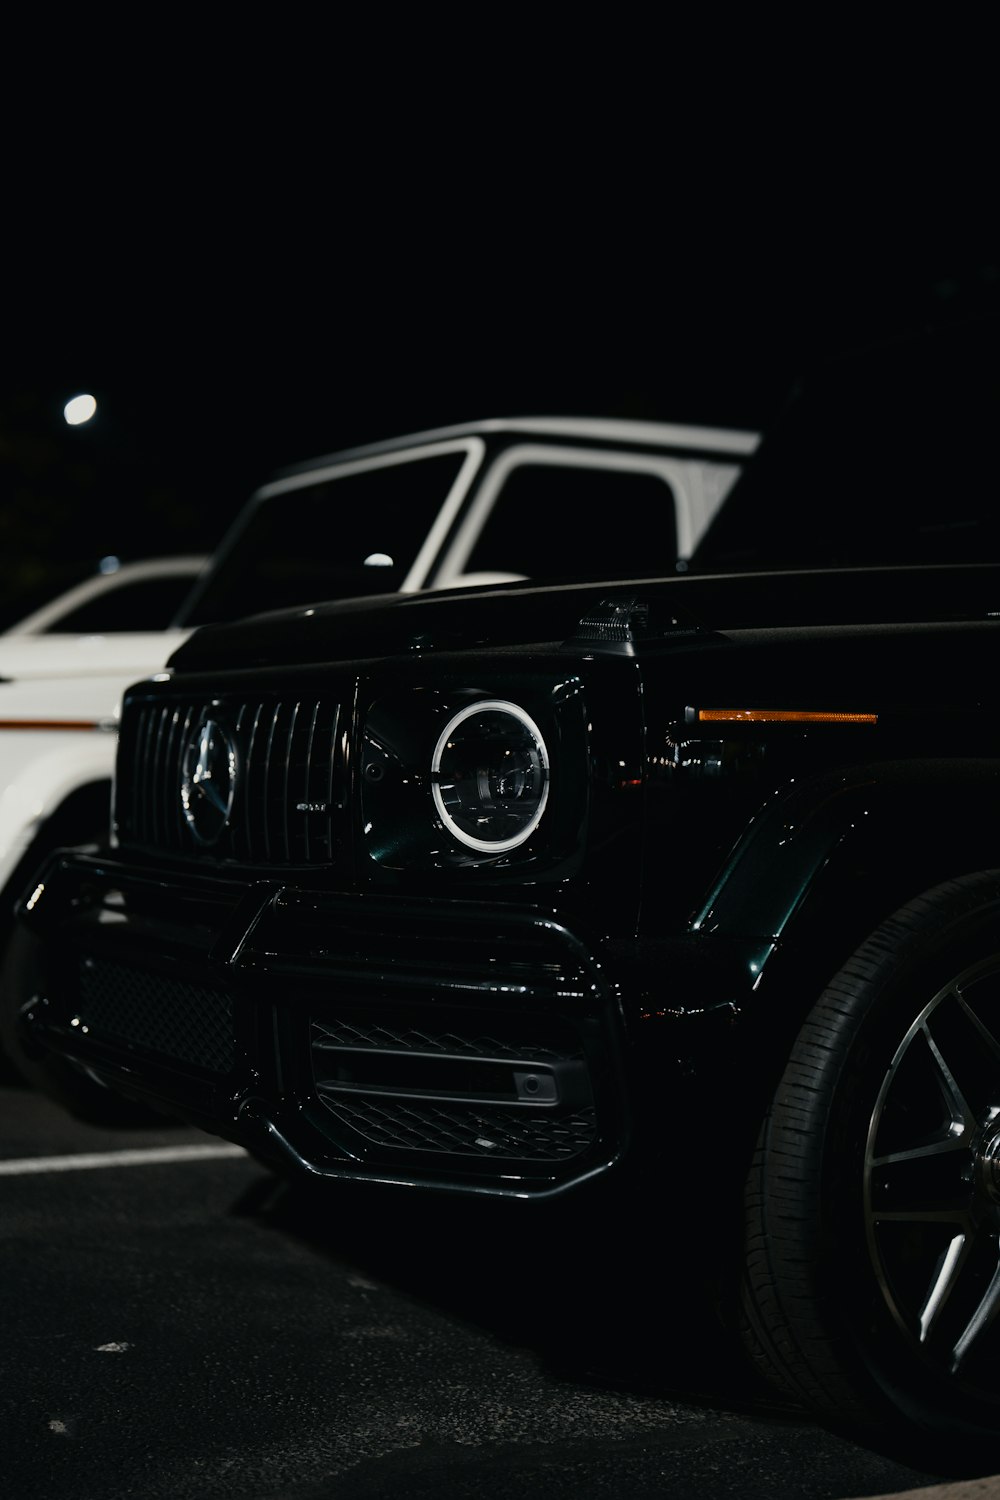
[(780, 716)]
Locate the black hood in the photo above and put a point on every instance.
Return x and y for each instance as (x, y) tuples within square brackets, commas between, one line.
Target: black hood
[(614, 616)]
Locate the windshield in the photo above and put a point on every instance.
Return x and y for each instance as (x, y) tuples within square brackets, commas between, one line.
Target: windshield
[(358, 533), (887, 457)]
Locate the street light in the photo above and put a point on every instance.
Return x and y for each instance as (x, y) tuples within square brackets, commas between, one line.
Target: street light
[(79, 409)]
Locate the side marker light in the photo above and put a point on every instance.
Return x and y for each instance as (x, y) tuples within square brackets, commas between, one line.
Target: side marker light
[(779, 716)]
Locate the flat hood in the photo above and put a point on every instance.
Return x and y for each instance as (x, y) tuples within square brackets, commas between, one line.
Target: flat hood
[(517, 615)]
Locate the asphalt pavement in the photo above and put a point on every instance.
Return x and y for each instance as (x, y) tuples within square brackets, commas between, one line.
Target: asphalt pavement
[(179, 1324)]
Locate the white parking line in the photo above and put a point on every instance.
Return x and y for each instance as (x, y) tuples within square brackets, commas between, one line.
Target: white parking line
[(987, 1488), (87, 1160)]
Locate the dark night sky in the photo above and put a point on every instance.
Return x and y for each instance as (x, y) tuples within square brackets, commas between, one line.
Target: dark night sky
[(222, 345)]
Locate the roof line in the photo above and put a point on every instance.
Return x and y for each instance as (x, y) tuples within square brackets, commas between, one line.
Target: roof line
[(722, 440)]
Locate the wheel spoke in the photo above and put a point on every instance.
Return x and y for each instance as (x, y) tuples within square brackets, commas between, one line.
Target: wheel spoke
[(967, 1055), (955, 1142), (986, 1037), (943, 1284), (961, 1110), (926, 1183), (963, 1300)]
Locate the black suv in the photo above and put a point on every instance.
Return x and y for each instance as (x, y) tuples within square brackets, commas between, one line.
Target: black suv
[(689, 886)]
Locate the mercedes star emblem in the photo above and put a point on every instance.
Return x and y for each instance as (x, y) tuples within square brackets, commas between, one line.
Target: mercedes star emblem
[(208, 781)]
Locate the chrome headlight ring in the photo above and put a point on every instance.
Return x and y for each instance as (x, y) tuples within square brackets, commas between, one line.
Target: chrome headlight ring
[(490, 776)]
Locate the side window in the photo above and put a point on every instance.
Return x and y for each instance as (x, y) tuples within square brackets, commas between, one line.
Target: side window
[(142, 604), (560, 521), (353, 534)]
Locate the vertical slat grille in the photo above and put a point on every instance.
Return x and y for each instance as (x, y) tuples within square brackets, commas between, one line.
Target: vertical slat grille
[(287, 802)]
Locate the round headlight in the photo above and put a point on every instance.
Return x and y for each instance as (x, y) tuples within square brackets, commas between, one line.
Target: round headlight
[(490, 776)]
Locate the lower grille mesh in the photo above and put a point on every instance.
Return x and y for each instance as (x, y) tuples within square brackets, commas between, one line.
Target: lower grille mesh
[(465, 1131), (191, 1023), (343, 1033), (452, 1088)]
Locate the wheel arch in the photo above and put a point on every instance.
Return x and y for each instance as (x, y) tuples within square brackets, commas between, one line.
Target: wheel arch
[(882, 842), (820, 869), (80, 817)]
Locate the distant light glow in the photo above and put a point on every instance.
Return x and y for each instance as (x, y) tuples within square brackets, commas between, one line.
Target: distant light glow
[(378, 560), (79, 409), (109, 564)]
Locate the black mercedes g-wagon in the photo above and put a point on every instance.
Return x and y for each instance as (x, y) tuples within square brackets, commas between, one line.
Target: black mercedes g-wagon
[(688, 884)]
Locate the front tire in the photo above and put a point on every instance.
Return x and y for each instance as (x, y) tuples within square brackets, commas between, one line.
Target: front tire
[(871, 1284)]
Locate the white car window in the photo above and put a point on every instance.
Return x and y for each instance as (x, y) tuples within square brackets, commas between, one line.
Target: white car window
[(548, 512)]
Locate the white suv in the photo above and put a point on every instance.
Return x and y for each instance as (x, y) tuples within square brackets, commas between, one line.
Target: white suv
[(479, 504)]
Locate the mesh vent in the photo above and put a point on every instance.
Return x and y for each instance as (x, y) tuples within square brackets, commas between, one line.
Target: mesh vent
[(191, 1023), (461, 1131), (343, 1033), (463, 1086), (288, 794)]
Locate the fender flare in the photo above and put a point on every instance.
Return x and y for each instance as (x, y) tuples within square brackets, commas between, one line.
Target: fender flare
[(919, 821)]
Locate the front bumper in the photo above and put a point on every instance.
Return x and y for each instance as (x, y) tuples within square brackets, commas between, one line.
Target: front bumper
[(459, 1045)]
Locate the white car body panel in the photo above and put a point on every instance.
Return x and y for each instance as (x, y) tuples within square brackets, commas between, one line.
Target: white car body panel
[(49, 747), (46, 657)]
